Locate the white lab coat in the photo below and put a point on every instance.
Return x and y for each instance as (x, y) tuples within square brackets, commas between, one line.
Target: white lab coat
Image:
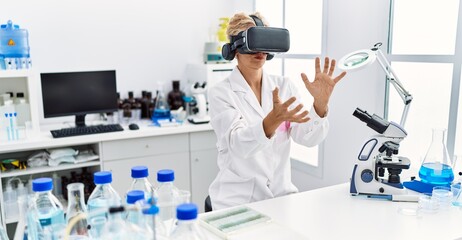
[(253, 167)]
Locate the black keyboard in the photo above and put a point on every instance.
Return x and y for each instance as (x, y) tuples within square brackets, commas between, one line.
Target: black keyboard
[(77, 131)]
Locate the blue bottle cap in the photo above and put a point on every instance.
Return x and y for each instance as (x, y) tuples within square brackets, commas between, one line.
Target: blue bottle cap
[(42, 184), (134, 196), (140, 172), (165, 175), (153, 210), (187, 211), (102, 177), (187, 99)]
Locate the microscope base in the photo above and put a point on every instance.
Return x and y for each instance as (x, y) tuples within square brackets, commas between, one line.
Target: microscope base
[(361, 183), (196, 120)]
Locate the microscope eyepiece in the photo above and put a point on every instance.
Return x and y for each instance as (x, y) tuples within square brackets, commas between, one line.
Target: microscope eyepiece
[(362, 115), (375, 122)]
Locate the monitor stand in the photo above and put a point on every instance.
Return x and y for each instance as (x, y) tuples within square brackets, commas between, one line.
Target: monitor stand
[(80, 120)]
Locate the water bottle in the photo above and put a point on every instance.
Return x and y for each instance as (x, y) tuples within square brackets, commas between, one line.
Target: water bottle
[(187, 228), (102, 197), (152, 222), (57, 190), (167, 195), (118, 229), (133, 216), (140, 181), (45, 214), (10, 199), (21, 232), (23, 110)]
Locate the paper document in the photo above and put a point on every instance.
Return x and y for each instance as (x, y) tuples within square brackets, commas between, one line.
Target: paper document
[(233, 222)]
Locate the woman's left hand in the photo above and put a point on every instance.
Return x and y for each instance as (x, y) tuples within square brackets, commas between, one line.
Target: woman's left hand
[(323, 85)]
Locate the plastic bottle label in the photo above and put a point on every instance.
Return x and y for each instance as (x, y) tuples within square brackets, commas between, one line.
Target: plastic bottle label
[(56, 218), (45, 222)]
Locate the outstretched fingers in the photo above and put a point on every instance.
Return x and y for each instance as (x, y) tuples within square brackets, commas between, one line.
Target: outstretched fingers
[(296, 109), (332, 67), (289, 102), (276, 99), (326, 65), (301, 118), (305, 79), (317, 65), (339, 77)]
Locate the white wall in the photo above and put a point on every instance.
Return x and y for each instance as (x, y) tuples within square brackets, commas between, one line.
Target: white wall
[(144, 40), (352, 25), (148, 41)]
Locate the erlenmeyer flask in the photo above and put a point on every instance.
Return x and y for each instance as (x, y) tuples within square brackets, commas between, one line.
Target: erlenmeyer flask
[(75, 206), (161, 109), (436, 167)]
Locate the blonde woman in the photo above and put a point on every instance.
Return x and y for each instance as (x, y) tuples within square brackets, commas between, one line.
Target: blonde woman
[(254, 116)]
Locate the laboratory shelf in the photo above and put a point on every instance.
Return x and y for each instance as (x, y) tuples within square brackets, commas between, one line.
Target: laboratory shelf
[(46, 169), (11, 220)]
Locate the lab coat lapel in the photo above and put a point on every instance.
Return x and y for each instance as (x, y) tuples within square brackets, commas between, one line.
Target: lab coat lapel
[(238, 84), (267, 93)]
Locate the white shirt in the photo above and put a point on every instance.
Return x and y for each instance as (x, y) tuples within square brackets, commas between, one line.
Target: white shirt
[(253, 167)]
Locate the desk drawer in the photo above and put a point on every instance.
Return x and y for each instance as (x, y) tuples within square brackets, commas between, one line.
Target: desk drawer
[(146, 146), (203, 140)]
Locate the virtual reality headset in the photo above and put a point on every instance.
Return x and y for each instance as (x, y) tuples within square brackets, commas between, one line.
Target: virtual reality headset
[(258, 39)]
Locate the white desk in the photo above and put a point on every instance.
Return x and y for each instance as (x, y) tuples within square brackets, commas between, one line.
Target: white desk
[(332, 213)]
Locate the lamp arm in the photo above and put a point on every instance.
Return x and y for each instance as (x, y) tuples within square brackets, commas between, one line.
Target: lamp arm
[(403, 93)]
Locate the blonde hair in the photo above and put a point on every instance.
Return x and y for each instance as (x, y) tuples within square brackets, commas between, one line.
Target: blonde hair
[(241, 22)]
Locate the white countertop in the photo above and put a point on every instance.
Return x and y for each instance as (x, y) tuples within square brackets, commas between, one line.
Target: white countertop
[(332, 213), (45, 140)]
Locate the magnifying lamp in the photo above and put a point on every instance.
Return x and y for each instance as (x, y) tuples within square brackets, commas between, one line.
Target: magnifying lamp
[(363, 58)]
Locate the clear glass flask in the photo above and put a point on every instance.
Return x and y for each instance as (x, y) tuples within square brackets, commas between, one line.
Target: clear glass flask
[(76, 205), (436, 168), (161, 109)]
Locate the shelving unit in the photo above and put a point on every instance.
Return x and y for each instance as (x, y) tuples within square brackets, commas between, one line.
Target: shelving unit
[(63, 169), (189, 150), (47, 169), (25, 81)]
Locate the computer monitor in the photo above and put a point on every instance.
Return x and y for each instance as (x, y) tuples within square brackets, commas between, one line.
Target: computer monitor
[(78, 93)]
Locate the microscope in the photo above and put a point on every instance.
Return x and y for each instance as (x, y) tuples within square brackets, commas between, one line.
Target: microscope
[(378, 166), (379, 154), (199, 110)]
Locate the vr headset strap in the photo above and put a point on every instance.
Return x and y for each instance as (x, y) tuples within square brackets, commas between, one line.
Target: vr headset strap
[(257, 21), (237, 41)]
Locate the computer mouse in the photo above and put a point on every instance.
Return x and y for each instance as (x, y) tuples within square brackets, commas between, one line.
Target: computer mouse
[(133, 126)]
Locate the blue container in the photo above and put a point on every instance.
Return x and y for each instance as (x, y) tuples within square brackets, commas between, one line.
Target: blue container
[(2, 62), (14, 46)]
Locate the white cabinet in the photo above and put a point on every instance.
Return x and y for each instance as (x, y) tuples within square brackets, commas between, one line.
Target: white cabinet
[(188, 150), (25, 81), (156, 153), (24, 175), (204, 167)]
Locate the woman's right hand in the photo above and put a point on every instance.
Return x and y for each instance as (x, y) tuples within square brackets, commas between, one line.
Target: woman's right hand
[(282, 112)]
